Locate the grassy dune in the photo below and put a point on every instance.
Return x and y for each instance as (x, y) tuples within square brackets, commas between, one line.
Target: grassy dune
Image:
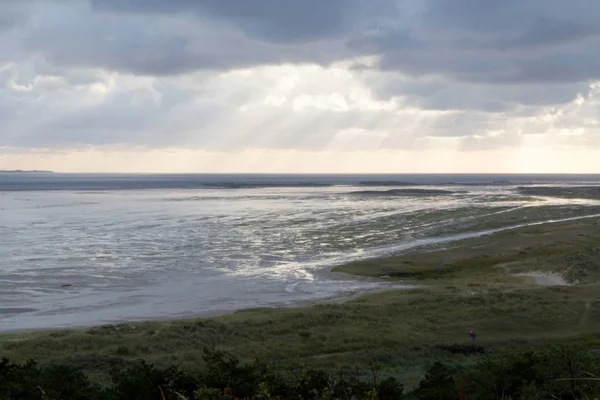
[(575, 192), (570, 248), (468, 285)]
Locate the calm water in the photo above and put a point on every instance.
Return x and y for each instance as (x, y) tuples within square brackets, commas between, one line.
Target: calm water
[(156, 246)]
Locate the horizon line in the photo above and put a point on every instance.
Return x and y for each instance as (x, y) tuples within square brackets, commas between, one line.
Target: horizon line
[(19, 171)]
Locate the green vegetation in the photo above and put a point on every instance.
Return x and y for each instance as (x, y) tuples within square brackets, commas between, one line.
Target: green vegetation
[(564, 372), (400, 331), (473, 219), (505, 217), (462, 286), (404, 192), (386, 183), (574, 192), (570, 248)]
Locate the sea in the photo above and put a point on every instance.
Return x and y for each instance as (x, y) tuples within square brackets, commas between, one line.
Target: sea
[(86, 249)]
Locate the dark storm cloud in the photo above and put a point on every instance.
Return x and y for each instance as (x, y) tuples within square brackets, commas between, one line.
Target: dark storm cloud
[(238, 34), (11, 16), (272, 20), (490, 18), (157, 39), (7, 21), (496, 41), (466, 40), (480, 61), (548, 33)]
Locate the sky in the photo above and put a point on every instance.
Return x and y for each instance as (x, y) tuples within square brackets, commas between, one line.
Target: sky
[(300, 86)]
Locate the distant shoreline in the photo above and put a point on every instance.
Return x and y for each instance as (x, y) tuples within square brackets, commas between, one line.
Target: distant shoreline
[(21, 171)]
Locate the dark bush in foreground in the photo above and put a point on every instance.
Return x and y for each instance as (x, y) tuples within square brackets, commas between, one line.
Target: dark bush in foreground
[(466, 349), (438, 384), (144, 381), (29, 381), (563, 373)]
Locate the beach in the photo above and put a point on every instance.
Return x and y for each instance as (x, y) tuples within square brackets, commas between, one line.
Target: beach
[(520, 276), (400, 330)]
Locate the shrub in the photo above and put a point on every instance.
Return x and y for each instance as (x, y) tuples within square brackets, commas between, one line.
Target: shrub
[(438, 384), (563, 372)]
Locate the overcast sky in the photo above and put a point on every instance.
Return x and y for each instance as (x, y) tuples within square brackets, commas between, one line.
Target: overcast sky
[(300, 85)]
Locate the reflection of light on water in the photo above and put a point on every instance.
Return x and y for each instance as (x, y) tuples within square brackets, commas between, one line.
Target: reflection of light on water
[(145, 254), (557, 201)]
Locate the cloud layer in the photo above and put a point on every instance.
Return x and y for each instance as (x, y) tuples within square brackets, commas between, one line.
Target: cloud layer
[(336, 75)]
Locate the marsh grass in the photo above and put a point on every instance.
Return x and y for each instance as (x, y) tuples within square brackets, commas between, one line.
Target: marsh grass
[(568, 247), (400, 331), (575, 192), (468, 286)]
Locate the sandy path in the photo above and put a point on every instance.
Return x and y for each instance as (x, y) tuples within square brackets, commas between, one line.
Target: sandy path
[(545, 278)]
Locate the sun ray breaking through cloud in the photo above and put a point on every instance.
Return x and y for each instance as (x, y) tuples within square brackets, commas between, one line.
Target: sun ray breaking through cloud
[(291, 86)]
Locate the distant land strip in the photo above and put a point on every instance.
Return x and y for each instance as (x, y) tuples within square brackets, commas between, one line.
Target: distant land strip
[(21, 171)]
